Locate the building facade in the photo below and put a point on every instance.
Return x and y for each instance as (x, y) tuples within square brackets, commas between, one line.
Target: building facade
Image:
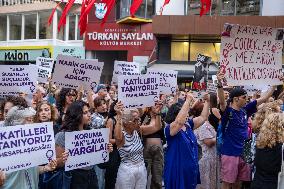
[(26, 35)]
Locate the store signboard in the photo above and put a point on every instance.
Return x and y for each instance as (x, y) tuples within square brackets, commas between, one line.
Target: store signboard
[(78, 52), (19, 54)]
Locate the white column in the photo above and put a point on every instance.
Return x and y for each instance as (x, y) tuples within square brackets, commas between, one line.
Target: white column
[(23, 27), (67, 28), (54, 28), (76, 26), (8, 28), (37, 25)]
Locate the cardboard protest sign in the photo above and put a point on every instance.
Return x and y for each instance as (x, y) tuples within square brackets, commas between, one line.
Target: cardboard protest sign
[(45, 66), (17, 78), (138, 91), (201, 70), (124, 68), (72, 72), (25, 146), (251, 55), (211, 87), (168, 80), (86, 148)]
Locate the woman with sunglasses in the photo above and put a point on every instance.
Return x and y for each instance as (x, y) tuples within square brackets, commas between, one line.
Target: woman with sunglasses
[(66, 97), (132, 171)]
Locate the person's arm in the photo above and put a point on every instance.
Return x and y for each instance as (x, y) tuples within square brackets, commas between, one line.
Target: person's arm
[(266, 96), (220, 92), (118, 135), (156, 121), (198, 121), (59, 155), (2, 178), (281, 95), (49, 167), (90, 99), (80, 93), (109, 125), (181, 117), (210, 142)]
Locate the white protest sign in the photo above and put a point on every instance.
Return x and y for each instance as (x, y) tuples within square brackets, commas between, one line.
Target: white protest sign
[(211, 87), (251, 54), (72, 72), (25, 146), (124, 68), (198, 94), (86, 148), (168, 80), (45, 66), (17, 78), (138, 91)]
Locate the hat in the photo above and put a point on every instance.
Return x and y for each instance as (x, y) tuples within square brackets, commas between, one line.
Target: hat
[(99, 87), (236, 92)]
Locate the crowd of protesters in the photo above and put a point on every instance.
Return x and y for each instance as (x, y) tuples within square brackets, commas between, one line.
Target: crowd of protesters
[(172, 145)]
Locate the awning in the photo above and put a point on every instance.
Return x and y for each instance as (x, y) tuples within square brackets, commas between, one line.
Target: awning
[(184, 70), (133, 20)]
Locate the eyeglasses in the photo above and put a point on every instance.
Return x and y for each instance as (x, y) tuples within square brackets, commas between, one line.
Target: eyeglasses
[(71, 94), (243, 97)]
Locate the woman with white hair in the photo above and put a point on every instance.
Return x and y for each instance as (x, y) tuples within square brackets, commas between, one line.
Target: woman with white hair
[(132, 171), (27, 178)]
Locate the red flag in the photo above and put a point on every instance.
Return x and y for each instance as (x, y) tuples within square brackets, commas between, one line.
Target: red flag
[(84, 17), (52, 14), (162, 8), (87, 10), (135, 6), (207, 4), (109, 5), (62, 20)]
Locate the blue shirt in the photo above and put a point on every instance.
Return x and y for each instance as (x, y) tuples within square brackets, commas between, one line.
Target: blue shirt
[(237, 129), (181, 159)]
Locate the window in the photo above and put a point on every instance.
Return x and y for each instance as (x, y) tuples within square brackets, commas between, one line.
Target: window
[(179, 51), (124, 8), (15, 27), (150, 9), (30, 26), (248, 7), (3, 28), (61, 34), (209, 49), (72, 27), (141, 11), (45, 31), (146, 10)]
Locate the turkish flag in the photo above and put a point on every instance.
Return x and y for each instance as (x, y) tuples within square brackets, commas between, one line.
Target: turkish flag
[(165, 3), (62, 20), (135, 6), (52, 14), (205, 6), (84, 17), (109, 5)]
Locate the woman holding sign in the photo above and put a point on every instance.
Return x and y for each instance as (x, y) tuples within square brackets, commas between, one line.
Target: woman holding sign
[(77, 118), (181, 159), (26, 178), (132, 171)]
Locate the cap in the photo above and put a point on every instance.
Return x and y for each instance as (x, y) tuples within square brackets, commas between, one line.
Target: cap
[(236, 92), (99, 87)]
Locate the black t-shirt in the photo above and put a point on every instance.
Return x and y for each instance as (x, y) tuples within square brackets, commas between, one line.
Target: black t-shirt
[(268, 165)]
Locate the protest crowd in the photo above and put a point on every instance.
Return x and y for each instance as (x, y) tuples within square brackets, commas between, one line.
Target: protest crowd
[(142, 131)]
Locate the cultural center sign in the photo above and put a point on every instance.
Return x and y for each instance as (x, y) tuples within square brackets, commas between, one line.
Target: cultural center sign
[(120, 37)]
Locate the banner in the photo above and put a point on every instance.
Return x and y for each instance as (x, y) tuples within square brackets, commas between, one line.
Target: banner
[(78, 52), (124, 68), (168, 80), (201, 70), (211, 87), (86, 148), (17, 78), (72, 72), (251, 55), (26, 146), (138, 91), (45, 66)]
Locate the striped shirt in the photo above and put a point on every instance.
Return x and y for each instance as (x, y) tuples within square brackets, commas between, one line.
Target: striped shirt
[(132, 150)]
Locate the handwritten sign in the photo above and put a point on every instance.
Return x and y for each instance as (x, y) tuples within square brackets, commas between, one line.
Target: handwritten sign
[(78, 52), (72, 72), (45, 66), (25, 146), (124, 68), (211, 87), (251, 54), (168, 80), (86, 148), (138, 91), (201, 69), (17, 78)]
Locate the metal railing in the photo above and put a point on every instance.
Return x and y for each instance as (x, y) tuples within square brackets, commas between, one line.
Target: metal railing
[(20, 2)]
